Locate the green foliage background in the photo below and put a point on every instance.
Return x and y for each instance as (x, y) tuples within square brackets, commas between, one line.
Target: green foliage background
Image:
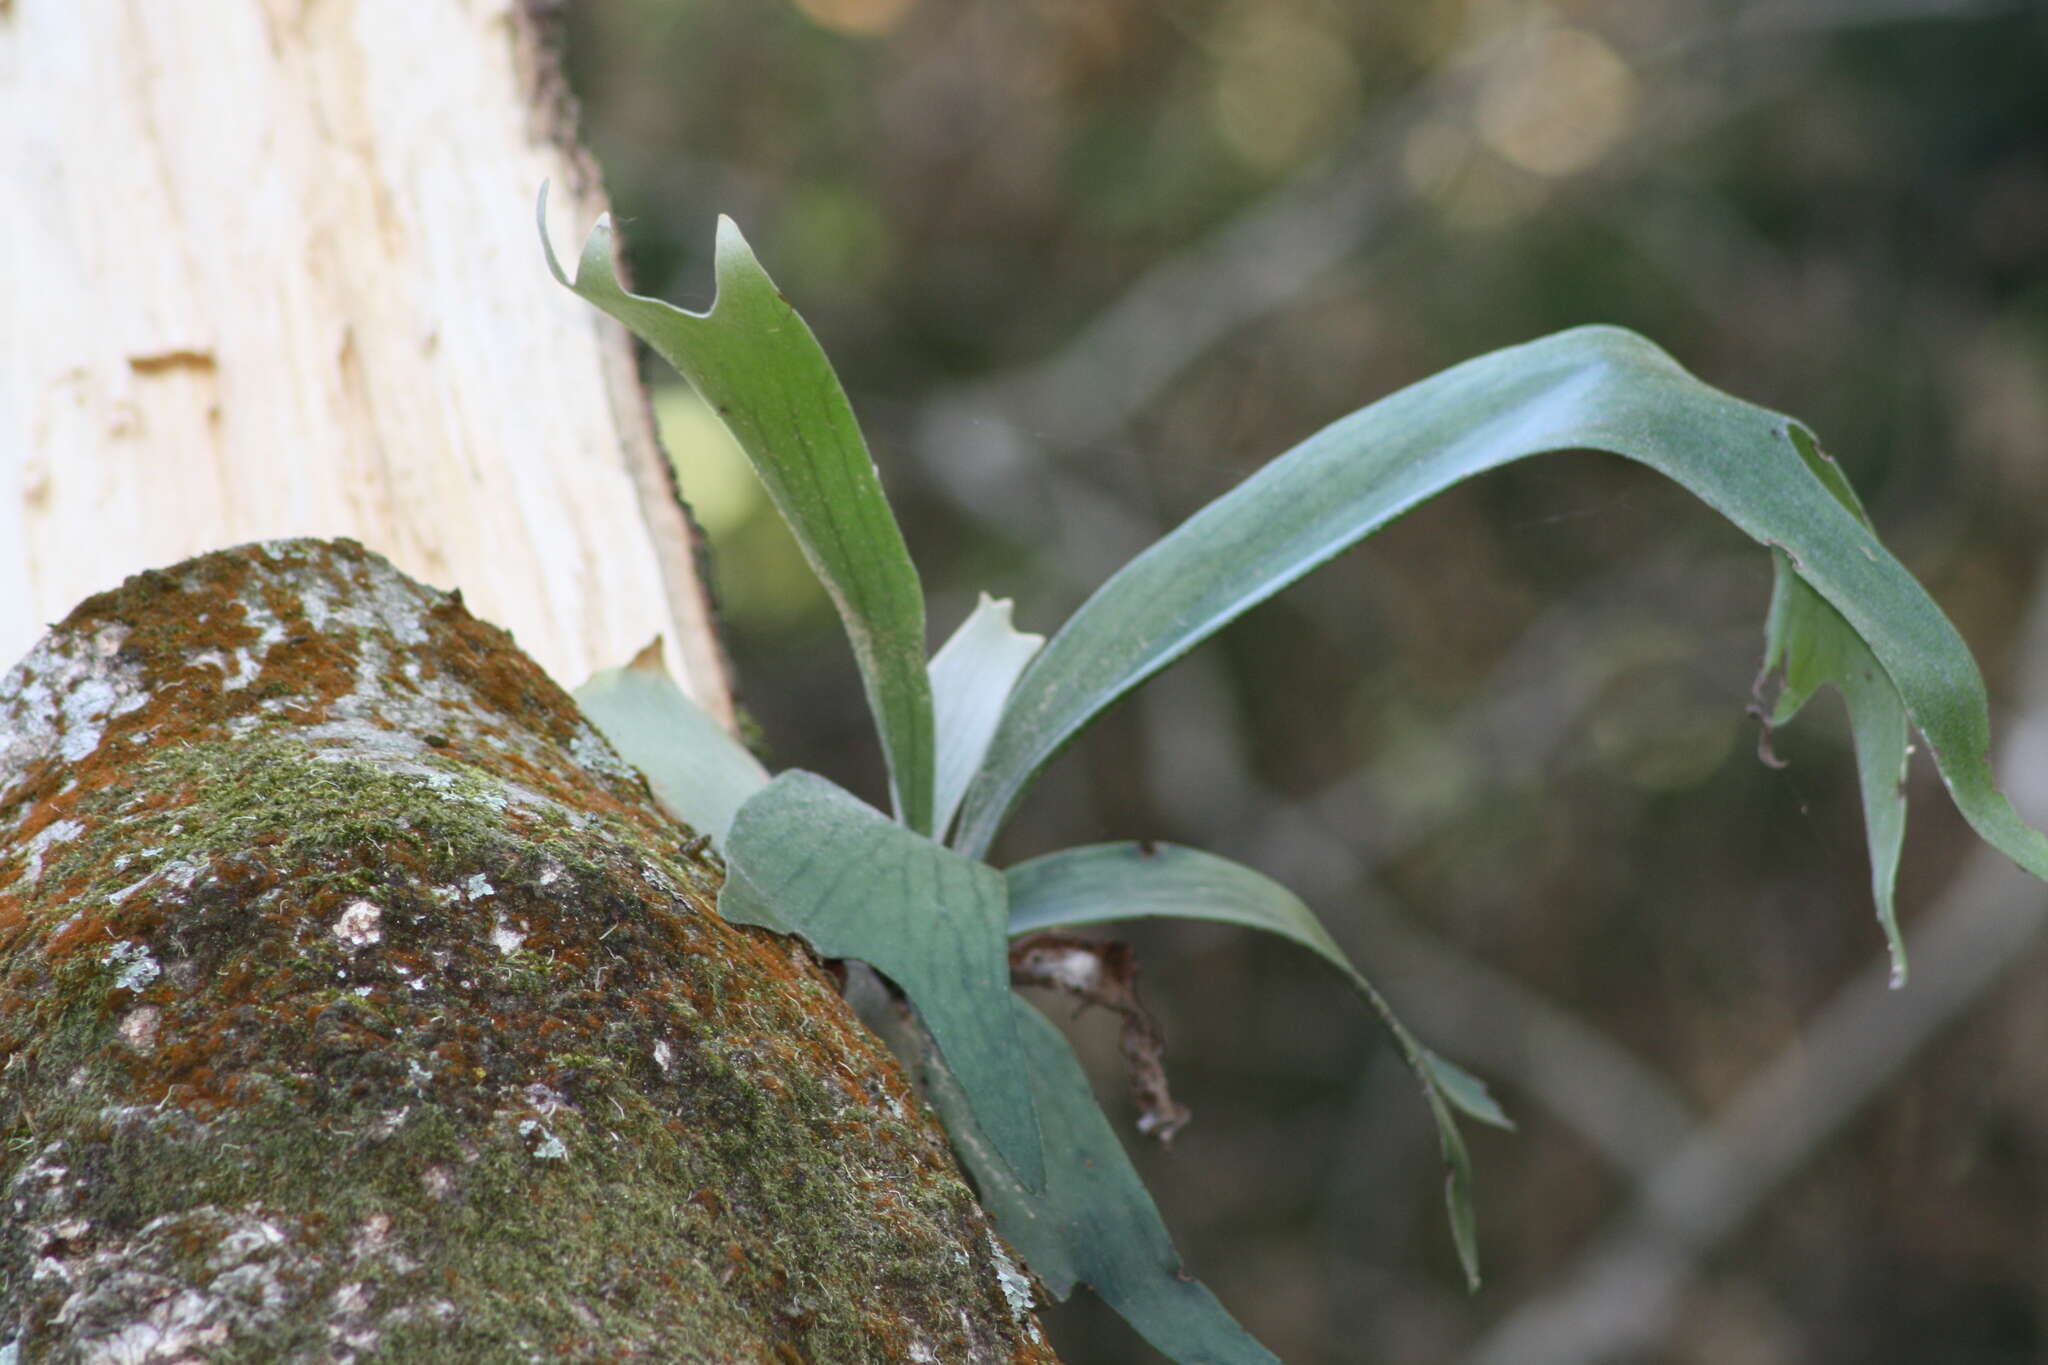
[(1510, 729)]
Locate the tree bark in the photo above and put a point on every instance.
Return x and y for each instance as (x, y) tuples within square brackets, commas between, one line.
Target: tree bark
[(357, 1003), (271, 270)]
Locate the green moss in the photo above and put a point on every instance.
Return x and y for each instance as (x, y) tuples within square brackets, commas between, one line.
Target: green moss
[(635, 1132)]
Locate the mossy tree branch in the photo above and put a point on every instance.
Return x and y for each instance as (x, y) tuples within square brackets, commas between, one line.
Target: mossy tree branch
[(356, 1002)]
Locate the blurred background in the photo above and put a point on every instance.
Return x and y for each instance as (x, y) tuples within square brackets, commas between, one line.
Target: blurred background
[(1085, 264)]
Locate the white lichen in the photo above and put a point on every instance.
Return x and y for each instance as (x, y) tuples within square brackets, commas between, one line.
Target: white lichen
[(550, 1147), (359, 926), (178, 874), (56, 832), (1016, 1284), (136, 967), (249, 1237), (591, 752), (138, 1027), (61, 697), (117, 897), (174, 1327), (246, 1275), (64, 694), (54, 1237), (237, 670), (372, 1236)]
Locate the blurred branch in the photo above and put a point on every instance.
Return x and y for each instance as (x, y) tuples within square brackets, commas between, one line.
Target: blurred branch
[(1249, 268), (1524, 719), (1620, 1106), (1622, 1293), (982, 443), (1771, 18), (1275, 251), (1610, 1097)]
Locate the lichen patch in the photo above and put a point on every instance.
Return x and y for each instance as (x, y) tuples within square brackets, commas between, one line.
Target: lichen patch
[(1015, 1282), (138, 1027), (359, 925), (56, 832), (544, 1145), (133, 966), (56, 704)]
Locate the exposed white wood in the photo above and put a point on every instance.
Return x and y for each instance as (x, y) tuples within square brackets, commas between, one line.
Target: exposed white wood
[(269, 268)]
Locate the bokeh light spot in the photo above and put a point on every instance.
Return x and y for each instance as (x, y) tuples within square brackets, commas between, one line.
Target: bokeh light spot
[(1556, 103), (858, 18), (1284, 87)]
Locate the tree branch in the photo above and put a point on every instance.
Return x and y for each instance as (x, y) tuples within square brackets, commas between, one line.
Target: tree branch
[(359, 1000)]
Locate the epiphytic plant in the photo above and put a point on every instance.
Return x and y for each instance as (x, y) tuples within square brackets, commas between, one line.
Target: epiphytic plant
[(966, 730)]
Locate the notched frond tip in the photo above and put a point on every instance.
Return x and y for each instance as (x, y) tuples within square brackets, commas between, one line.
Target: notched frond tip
[(730, 248), (595, 281)]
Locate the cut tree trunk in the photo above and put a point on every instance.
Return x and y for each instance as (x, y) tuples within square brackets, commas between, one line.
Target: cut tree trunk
[(270, 269), (357, 1003)]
